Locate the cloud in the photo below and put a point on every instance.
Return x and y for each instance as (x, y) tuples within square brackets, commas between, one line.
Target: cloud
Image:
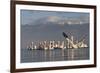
[(61, 21), (69, 21), (53, 18)]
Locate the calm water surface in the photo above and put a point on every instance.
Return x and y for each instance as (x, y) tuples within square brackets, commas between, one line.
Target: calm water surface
[(54, 55)]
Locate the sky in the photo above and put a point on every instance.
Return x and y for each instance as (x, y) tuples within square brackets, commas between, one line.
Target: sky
[(30, 16)]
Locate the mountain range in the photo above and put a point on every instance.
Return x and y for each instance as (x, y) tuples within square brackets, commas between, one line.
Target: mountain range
[(43, 29)]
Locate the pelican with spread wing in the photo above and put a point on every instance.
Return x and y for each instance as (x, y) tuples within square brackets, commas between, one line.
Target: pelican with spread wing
[(72, 44)]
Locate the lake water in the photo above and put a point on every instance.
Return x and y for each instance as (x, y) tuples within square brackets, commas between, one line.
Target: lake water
[(54, 55)]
